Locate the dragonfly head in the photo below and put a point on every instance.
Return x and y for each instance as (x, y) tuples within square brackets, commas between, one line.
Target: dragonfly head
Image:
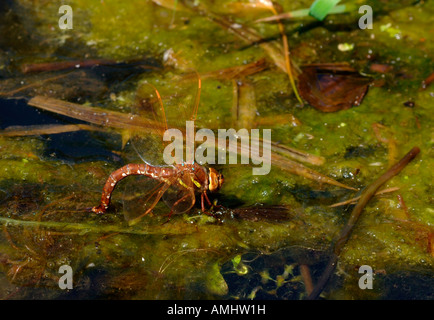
[(215, 180)]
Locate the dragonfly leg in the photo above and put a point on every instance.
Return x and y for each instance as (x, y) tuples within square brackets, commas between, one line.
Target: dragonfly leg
[(209, 202), (202, 204), (168, 216), (207, 199), (203, 197), (174, 205)]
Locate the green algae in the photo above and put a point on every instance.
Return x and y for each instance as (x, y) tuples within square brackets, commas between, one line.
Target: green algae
[(183, 257)]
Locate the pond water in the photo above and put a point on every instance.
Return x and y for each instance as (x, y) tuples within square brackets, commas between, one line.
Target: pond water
[(268, 231)]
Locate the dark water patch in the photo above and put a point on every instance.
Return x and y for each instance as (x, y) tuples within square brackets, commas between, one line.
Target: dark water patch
[(229, 201), (309, 196), (407, 285), (75, 147), (362, 151), (16, 112), (270, 277), (81, 146), (88, 286)]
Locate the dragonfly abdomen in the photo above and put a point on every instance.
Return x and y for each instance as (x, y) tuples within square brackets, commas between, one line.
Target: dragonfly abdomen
[(158, 173)]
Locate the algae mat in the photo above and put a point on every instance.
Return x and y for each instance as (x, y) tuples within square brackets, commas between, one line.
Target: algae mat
[(273, 227)]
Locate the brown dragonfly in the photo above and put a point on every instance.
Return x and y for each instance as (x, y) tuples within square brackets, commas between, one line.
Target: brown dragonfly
[(177, 184)]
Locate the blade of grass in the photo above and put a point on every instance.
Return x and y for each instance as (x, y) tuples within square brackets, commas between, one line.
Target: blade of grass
[(321, 8), (286, 53), (303, 13)]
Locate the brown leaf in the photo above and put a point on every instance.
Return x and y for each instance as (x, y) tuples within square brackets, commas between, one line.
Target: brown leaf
[(332, 87)]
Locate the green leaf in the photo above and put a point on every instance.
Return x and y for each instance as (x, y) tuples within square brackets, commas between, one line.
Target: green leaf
[(321, 8), (236, 260)]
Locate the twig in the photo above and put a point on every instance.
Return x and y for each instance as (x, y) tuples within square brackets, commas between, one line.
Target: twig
[(288, 62), (237, 72), (30, 85), (307, 279), (35, 130), (63, 65), (297, 154), (98, 116), (353, 200), (346, 231), (306, 172), (403, 206), (78, 64)]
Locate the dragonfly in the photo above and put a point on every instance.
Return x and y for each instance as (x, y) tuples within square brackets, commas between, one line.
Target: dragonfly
[(177, 184)]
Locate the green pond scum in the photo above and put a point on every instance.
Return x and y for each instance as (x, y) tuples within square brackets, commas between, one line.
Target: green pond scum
[(269, 227)]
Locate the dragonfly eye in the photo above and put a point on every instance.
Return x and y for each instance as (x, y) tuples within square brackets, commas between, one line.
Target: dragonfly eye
[(215, 180)]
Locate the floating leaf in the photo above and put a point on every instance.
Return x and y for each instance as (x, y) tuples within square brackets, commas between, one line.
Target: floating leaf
[(332, 87)]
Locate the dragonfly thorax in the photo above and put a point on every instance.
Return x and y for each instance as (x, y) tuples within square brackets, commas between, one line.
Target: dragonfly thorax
[(202, 179)]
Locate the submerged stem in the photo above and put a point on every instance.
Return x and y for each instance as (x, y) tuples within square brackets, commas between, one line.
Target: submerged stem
[(83, 228)]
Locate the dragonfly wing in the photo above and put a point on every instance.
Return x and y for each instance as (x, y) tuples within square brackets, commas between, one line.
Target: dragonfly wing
[(146, 141), (141, 195), (180, 196), (167, 105)]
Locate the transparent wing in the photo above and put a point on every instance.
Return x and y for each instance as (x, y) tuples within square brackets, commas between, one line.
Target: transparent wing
[(167, 104), (141, 195), (180, 196)]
